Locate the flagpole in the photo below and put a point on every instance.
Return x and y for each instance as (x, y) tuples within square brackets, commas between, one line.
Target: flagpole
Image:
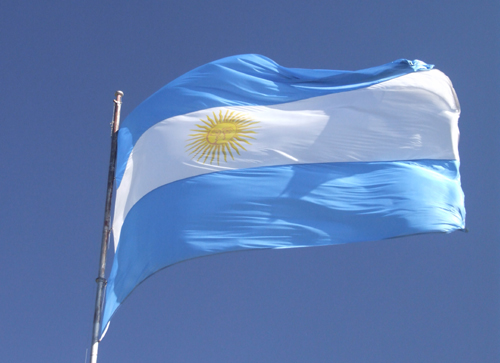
[(101, 280)]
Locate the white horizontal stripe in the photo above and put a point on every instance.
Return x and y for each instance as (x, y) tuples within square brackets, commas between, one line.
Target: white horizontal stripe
[(407, 118)]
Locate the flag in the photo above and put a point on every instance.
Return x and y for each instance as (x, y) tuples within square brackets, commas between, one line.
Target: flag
[(243, 153)]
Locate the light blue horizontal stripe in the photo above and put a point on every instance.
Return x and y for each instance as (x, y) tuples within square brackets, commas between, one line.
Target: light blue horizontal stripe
[(280, 207), (245, 80)]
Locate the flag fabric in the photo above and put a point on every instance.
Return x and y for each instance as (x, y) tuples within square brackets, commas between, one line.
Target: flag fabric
[(243, 153)]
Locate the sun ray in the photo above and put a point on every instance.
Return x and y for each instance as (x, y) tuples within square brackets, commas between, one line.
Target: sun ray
[(202, 151), (197, 148), (242, 140), (206, 123), (248, 123), (234, 147), (213, 123), (229, 150), (247, 132), (195, 140), (194, 144), (223, 149), (207, 152), (237, 143)]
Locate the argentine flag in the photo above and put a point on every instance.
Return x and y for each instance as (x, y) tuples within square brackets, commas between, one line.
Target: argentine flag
[(243, 153)]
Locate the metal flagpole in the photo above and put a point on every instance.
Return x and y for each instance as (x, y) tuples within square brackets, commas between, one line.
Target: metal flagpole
[(101, 281)]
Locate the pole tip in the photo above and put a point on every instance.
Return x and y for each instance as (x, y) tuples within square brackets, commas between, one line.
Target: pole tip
[(119, 93)]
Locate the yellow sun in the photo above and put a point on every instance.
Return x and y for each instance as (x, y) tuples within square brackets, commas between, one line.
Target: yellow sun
[(220, 135)]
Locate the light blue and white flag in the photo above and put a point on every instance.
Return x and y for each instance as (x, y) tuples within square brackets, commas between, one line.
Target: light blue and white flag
[(243, 153)]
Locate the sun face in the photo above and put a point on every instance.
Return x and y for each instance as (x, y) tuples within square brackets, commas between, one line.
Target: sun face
[(221, 135)]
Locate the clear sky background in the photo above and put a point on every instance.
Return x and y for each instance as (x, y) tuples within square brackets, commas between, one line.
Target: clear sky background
[(430, 298)]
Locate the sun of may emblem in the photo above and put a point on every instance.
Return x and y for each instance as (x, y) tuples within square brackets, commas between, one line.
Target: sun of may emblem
[(221, 135)]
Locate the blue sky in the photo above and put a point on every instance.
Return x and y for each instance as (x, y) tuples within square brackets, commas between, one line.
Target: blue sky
[(431, 298)]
